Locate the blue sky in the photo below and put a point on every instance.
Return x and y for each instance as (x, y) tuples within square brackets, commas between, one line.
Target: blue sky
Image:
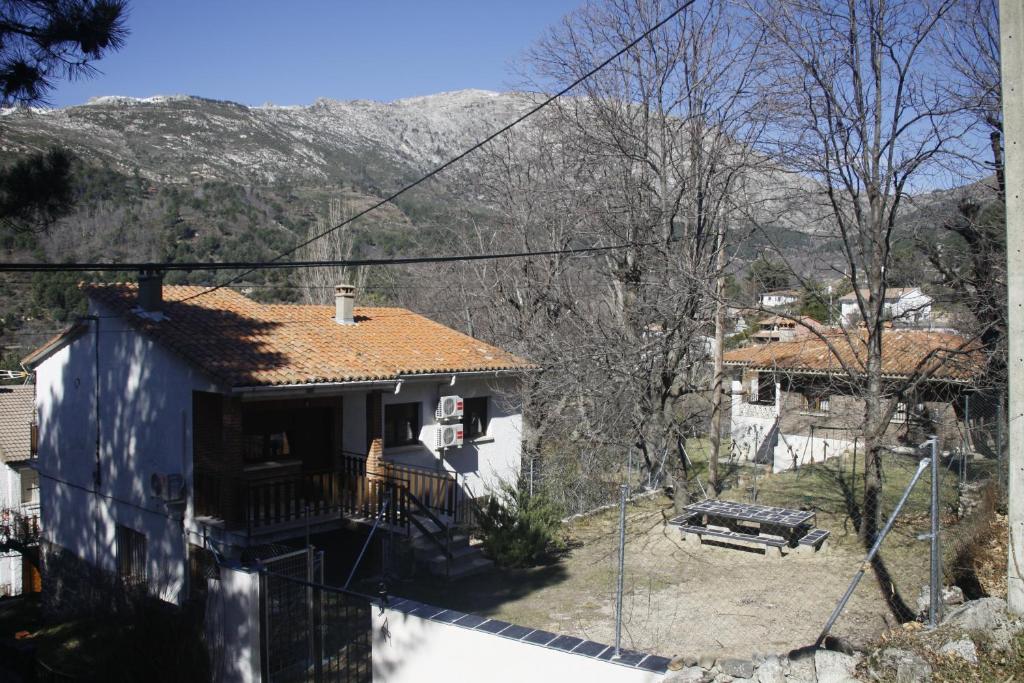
[(257, 51)]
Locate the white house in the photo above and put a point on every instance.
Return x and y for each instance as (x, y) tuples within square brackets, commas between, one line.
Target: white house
[(173, 420), (780, 298), (907, 305), (19, 485)]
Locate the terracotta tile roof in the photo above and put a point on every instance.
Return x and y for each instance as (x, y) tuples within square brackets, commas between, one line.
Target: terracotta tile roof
[(904, 352), (245, 343), (17, 406)]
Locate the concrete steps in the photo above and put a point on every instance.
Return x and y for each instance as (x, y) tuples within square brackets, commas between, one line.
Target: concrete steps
[(466, 560)]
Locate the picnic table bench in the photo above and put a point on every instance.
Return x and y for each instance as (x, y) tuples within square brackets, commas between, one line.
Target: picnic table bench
[(751, 525)]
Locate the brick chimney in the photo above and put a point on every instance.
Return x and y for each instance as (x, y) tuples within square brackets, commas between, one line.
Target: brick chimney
[(344, 304)]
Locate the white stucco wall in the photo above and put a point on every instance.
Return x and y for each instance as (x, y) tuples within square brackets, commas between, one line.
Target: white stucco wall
[(413, 649), (233, 625), (10, 563), (480, 463), (797, 450), (145, 426)]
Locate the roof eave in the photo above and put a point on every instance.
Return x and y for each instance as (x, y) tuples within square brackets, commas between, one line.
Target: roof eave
[(37, 357)]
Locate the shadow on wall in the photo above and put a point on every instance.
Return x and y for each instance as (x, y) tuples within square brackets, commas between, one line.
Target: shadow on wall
[(115, 407)]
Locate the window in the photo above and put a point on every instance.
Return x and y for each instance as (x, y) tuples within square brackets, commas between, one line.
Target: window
[(474, 417), (763, 390), (817, 403), (131, 555), (900, 414), (299, 431), (29, 487), (401, 424)]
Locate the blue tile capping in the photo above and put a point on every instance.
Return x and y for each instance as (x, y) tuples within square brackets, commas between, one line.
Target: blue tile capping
[(516, 632), (470, 621), (630, 658), (426, 611), (408, 606), (566, 643), (449, 616), (654, 663), (540, 637), (493, 626), (589, 648)]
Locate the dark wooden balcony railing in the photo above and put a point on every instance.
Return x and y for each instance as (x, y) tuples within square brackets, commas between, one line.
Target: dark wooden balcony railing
[(254, 504)]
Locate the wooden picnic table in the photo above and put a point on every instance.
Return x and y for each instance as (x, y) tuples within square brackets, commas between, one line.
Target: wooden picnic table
[(749, 512), (772, 527)]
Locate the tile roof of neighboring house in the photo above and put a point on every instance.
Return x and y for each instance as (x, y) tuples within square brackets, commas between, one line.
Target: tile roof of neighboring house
[(17, 406), (891, 293), (246, 343), (904, 352), (801, 322)]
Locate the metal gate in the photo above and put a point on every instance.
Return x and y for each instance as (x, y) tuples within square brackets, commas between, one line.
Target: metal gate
[(311, 633)]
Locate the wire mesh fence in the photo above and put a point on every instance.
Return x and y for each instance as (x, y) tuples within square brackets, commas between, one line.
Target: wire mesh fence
[(738, 584)]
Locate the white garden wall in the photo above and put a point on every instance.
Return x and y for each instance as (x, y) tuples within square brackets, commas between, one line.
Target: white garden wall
[(412, 649)]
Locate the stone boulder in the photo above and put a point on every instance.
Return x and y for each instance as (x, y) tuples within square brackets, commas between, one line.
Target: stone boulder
[(951, 596), (690, 674), (737, 668), (771, 671), (913, 669), (988, 616), (834, 667), (963, 648)]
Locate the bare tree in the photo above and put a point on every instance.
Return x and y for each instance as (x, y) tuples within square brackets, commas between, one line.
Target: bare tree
[(860, 111), (318, 283), (647, 157)]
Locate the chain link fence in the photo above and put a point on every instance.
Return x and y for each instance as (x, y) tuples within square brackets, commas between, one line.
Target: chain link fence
[(755, 587)]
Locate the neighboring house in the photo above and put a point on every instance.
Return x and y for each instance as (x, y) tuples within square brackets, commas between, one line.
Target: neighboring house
[(907, 306), (19, 486), (173, 420), (780, 298), (779, 328), (792, 402)]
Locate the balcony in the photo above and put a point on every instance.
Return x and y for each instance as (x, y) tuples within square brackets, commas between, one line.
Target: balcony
[(274, 499)]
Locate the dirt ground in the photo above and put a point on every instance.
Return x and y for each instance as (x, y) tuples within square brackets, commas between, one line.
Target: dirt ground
[(681, 600)]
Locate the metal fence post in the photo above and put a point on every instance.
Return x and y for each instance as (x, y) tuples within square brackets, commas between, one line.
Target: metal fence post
[(623, 492), (310, 621), (935, 578)]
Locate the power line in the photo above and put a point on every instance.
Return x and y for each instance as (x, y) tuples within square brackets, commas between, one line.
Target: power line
[(633, 43), (251, 266)]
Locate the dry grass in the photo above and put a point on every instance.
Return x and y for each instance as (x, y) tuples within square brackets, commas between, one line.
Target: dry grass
[(679, 600)]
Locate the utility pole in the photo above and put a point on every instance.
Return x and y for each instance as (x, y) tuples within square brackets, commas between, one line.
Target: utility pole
[(718, 380), (1011, 29)]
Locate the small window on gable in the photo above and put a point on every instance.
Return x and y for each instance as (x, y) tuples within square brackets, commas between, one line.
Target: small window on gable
[(131, 555), (401, 424), (474, 417)]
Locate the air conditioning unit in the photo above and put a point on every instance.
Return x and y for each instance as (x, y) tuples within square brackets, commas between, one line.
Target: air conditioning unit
[(449, 436), (167, 487), (449, 407)]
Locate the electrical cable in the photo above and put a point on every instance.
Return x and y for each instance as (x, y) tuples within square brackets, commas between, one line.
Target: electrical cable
[(626, 48)]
